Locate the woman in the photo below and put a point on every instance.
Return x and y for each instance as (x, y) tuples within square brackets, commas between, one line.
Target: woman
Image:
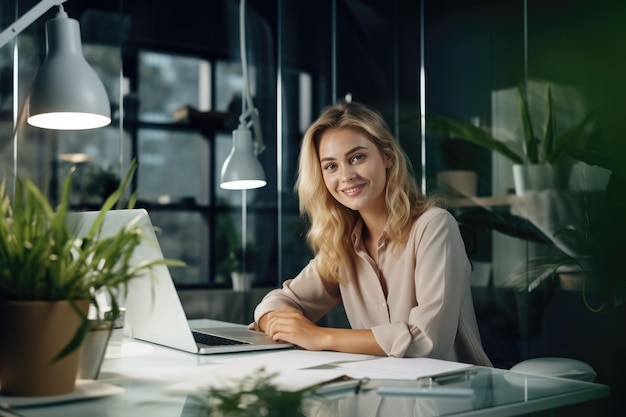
[(395, 261)]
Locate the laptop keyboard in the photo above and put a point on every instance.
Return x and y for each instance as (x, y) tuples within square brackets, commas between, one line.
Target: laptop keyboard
[(212, 340)]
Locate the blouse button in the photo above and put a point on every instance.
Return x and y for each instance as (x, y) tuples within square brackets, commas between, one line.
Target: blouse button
[(384, 304)]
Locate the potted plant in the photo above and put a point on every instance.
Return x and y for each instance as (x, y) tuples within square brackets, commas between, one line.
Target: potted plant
[(97, 183), (580, 237), (242, 265), (537, 157), (48, 279)]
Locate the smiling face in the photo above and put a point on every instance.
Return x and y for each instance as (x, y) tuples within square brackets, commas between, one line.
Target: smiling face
[(354, 170)]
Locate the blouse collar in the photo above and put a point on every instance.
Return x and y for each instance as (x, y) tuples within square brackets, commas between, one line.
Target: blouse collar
[(357, 234)]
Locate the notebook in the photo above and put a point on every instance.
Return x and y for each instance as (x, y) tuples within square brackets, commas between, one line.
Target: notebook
[(153, 308)]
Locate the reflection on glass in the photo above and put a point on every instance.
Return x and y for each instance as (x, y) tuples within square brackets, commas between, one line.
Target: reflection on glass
[(168, 82), (96, 156), (106, 62), (184, 236), (228, 89), (174, 167)]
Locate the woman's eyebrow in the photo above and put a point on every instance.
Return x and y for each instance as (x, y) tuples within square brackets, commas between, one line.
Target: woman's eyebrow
[(356, 148)]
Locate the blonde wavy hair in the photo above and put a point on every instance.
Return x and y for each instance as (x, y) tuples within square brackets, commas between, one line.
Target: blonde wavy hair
[(331, 223)]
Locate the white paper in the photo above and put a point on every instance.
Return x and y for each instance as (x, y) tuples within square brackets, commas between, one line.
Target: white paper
[(229, 377), (291, 359), (291, 370), (400, 368), (223, 376)]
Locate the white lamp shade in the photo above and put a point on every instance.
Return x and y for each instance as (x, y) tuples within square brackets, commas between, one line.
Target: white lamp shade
[(242, 170), (67, 93)]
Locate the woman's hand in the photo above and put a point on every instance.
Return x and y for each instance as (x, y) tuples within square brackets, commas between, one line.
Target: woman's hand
[(288, 324)]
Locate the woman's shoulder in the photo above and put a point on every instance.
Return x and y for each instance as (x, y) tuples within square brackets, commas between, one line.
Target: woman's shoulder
[(434, 221), (433, 218), (434, 214)]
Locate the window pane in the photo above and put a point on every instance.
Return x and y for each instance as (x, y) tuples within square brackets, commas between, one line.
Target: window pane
[(295, 250), (96, 156), (184, 236), (229, 85), (168, 82), (106, 62), (173, 166), (261, 240), (227, 239)]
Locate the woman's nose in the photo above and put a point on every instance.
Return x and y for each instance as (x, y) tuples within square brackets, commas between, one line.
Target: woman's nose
[(347, 173)]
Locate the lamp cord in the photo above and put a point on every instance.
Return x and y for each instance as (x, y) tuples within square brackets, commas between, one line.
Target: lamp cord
[(247, 96), (244, 60)]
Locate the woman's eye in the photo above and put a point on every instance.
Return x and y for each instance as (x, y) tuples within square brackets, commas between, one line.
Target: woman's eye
[(329, 167), (357, 157)]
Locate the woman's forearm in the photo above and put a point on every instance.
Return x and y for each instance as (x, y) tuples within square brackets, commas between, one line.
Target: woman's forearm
[(352, 341), (289, 325)]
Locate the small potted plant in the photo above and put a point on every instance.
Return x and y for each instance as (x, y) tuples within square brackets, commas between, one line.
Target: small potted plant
[(242, 265), (48, 280), (539, 160), (97, 183)]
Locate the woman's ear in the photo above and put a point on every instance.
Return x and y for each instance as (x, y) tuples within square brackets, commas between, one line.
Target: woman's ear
[(388, 161)]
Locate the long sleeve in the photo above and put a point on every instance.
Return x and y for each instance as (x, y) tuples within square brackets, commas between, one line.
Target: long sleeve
[(306, 292)]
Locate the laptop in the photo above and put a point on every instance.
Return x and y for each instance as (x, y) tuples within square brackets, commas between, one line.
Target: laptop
[(153, 308)]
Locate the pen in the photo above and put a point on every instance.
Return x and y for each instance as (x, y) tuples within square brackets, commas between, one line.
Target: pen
[(425, 392), (454, 374), (343, 386)]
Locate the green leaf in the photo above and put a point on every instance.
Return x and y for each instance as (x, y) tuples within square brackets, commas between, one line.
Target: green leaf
[(464, 130), (77, 340), (254, 395), (530, 143), (566, 142), (548, 128)]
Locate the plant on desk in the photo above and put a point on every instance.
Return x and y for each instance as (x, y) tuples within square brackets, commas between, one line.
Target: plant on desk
[(242, 265), (48, 279), (253, 396)]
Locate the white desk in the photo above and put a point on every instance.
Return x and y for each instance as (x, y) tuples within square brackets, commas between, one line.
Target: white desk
[(497, 392)]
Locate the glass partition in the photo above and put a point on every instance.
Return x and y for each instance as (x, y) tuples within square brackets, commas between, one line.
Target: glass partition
[(539, 79)]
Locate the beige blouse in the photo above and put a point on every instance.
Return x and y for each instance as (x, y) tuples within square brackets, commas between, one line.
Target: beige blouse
[(416, 299)]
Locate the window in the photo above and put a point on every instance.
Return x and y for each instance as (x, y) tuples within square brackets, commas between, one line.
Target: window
[(174, 166), (179, 164), (167, 82)]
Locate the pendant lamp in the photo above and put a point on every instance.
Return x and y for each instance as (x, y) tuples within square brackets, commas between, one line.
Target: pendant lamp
[(67, 93), (242, 170)]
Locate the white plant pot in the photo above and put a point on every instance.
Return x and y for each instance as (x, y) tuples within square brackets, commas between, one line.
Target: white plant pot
[(538, 177), (242, 281)]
